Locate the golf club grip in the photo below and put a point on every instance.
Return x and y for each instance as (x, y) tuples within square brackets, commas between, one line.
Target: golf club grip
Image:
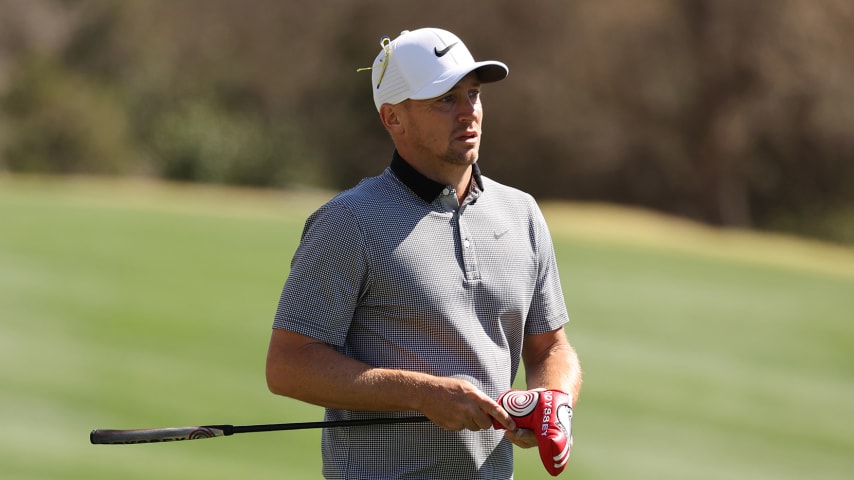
[(156, 435)]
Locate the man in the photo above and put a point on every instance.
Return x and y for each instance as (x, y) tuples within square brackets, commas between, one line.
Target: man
[(422, 290)]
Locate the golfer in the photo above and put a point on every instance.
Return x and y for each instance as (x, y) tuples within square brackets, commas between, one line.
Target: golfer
[(421, 290)]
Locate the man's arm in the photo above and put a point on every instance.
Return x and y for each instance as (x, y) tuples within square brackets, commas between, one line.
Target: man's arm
[(306, 369), (550, 363)]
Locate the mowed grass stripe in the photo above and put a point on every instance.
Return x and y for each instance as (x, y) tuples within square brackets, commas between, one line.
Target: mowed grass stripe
[(139, 304), (142, 317), (729, 354)]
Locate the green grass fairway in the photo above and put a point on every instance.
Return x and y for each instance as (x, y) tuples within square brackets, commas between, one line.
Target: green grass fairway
[(707, 354)]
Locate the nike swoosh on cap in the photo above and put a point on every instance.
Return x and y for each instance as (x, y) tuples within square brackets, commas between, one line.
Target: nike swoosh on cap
[(442, 52)]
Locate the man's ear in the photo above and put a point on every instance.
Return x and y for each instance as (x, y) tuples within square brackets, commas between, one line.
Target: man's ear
[(390, 117)]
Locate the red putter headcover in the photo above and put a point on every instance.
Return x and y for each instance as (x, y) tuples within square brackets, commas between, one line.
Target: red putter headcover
[(548, 413)]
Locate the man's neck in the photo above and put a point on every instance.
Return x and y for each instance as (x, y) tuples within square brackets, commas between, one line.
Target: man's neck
[(456, 176), (427, 188)]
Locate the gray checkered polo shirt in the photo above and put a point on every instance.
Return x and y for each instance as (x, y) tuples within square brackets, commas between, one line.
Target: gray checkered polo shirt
[(394, 273)]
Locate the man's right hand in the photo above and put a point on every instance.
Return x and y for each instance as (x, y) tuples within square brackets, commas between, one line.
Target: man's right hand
[(304, 368), (455, 404)]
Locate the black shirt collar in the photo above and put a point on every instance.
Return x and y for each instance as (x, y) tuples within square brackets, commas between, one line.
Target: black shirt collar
[(424, 187)]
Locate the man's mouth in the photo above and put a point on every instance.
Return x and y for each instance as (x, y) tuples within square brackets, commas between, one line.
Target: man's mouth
[(468, 136)]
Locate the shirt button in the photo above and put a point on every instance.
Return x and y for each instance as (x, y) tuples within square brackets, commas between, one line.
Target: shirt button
[(466, 243), (446, 192)]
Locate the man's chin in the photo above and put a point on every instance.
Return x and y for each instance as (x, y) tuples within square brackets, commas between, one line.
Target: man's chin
[(466, 157)]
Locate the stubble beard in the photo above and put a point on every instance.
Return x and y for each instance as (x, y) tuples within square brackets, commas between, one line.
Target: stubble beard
[(453, 155), (462, 158)]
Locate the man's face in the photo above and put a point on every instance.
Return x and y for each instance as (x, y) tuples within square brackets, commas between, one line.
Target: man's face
[(447, 128)]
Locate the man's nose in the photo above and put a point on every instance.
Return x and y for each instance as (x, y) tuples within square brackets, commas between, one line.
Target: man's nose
[(468, 109)]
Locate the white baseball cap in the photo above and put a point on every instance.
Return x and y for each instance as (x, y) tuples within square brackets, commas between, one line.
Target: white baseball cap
[(425, 63)]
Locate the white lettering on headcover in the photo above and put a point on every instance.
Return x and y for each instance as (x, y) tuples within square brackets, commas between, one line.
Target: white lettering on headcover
[(547, 399)]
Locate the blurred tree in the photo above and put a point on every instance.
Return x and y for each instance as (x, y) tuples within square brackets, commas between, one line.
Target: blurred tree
[(63, 124), (729, 112)]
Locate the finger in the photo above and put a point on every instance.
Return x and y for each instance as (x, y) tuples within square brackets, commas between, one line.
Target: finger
[(521, 437), (495, 411), (455, 428), (450, 425), (482, 421)]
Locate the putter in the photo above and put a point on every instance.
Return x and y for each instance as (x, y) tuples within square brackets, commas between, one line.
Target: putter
[(174, 434)]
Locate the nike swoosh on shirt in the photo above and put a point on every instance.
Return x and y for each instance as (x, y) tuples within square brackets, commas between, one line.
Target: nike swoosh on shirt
[(498, 235), (442, 52)]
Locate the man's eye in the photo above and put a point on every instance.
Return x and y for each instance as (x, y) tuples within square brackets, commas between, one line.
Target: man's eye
[(447, 99)]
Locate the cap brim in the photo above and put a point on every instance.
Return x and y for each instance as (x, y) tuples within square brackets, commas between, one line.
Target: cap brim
[(487, 72)]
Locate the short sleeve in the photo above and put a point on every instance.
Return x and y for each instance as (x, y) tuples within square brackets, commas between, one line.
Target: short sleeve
[(328, 276), (548, 308)]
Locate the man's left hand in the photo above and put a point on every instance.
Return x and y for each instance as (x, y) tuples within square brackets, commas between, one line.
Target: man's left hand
[(544, 416), (521, 437)]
